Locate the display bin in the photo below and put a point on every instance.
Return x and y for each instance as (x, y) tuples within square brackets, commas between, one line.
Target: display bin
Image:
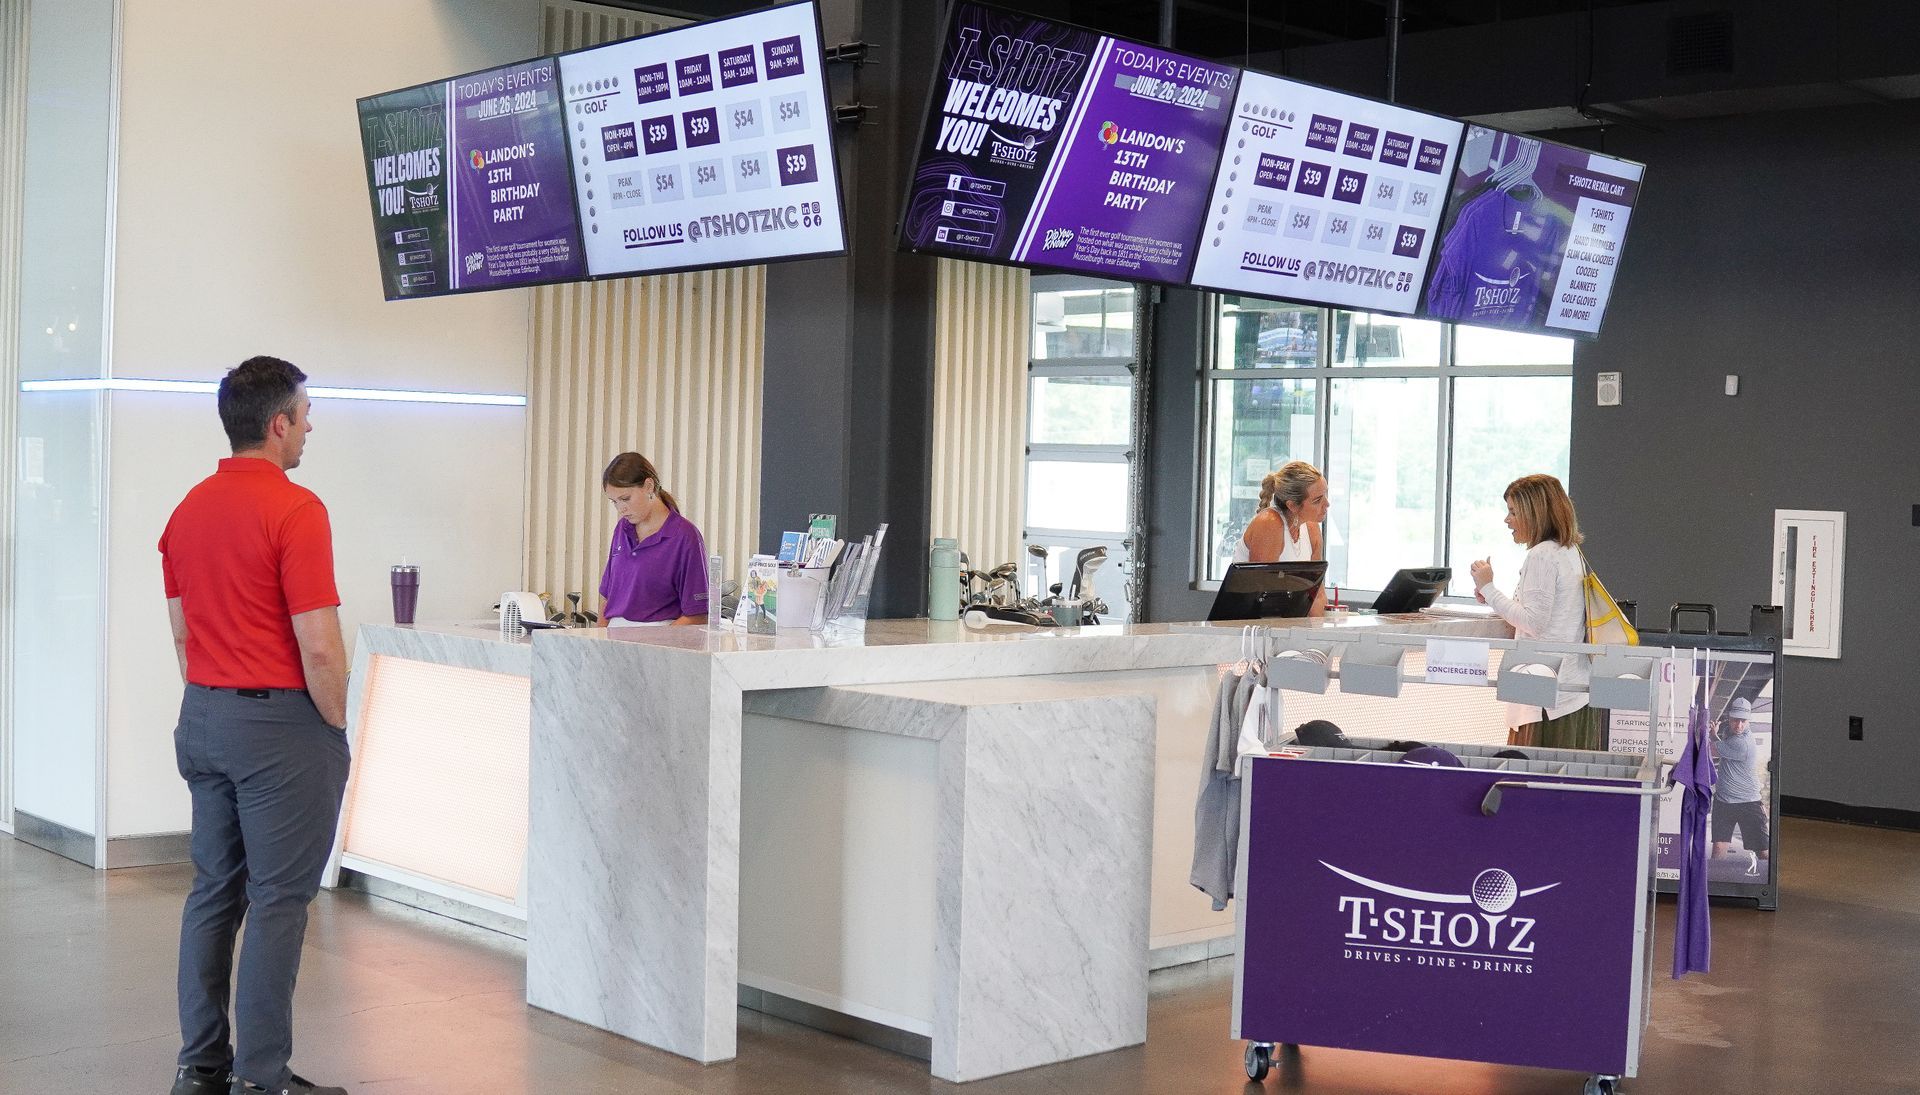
[(1498, 912)]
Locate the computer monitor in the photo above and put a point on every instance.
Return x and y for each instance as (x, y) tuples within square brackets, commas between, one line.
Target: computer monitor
[(1256, 591), (1413, 589)]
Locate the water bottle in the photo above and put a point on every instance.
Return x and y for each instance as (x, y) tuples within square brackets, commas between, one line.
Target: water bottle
[(943, 580)]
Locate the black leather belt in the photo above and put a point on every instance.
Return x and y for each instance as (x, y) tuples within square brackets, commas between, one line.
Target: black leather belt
[(252, 693)]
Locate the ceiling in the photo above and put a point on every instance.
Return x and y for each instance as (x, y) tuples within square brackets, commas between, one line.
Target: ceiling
[(1230, 29)]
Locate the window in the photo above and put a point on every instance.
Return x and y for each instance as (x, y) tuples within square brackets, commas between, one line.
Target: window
[(1080, 429), (1418, 425)]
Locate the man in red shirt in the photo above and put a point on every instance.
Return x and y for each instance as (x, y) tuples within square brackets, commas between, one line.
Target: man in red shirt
[(248, 562)]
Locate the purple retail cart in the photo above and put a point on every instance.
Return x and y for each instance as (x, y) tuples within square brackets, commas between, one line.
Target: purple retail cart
[(1499, 912)]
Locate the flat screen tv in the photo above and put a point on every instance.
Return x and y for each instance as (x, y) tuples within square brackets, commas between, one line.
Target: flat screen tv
[(1326, 197), (705, 145), (1413, 589), (469, 183), (1258, 591), (1533, 235), (1061, 148)]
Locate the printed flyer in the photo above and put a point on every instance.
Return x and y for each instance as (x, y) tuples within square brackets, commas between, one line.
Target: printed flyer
[(708, 145), (1533, 235), (1326, 197), (1053, 146)]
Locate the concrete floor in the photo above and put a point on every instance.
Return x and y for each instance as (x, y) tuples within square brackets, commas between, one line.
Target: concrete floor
[(1822, 996)]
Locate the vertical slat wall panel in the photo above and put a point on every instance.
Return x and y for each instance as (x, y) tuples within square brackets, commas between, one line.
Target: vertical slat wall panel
[(980, 409), (667, 366), (13, 179)]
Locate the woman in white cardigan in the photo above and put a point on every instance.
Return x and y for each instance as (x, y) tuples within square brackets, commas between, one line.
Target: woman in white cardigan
[(1548, 603)]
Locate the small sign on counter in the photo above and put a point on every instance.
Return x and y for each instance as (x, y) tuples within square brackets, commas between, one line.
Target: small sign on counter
[(1457, 661)]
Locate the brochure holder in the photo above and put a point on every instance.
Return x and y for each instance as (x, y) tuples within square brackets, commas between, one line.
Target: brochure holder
[(798, 598)]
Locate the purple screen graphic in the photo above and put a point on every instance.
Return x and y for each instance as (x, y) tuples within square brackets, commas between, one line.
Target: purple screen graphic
[(784, 58), (1396, 149), (617, 142), (693, 75), (657, 134), (1323, 132), (738, 66), (650, 84), (1313, 179), (514, 220)]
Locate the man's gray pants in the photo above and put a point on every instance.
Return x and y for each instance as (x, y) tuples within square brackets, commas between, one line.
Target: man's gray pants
[(266, 774)]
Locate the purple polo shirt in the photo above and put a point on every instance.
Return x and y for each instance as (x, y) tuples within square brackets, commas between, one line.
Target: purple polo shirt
[(663, 577)]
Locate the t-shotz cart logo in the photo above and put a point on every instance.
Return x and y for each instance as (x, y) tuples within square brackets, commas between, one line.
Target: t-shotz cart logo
[(1477, 931)]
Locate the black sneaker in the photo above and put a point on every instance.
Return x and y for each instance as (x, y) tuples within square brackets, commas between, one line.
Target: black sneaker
[(295, 1085), (200, 1080)]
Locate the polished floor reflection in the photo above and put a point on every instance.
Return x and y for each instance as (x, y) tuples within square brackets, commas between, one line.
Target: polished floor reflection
[(1822, 996)]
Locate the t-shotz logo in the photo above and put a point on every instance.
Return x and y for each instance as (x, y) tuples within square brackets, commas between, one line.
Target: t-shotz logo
[(1404, 926)]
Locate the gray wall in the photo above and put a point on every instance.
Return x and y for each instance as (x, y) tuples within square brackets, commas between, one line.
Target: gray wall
[(1784, 248)]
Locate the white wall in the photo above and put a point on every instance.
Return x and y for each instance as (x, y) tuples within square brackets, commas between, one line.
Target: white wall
[(245, 225), (440, 485), (244, 228)]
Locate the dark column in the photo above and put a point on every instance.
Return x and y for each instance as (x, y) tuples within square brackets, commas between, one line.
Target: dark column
[(848, 407)]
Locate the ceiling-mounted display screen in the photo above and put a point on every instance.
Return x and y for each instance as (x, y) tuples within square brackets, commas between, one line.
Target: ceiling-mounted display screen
[(1326, 197), (469, 183), (706, 145), (1533, 234), (1053, 146)]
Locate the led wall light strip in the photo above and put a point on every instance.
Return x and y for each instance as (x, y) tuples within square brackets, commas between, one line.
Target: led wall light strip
[(208, 387)]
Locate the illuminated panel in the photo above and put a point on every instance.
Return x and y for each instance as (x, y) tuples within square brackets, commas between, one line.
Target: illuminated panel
[(440, 774)]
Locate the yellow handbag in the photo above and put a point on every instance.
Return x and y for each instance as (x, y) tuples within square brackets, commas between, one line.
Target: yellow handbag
[(1606, 624)]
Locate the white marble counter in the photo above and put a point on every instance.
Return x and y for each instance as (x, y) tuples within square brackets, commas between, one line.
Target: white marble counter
[(634, 866), (974, 867)]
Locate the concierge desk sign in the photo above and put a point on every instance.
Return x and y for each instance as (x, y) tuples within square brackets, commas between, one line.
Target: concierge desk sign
[(1059, 148), (702, 146)]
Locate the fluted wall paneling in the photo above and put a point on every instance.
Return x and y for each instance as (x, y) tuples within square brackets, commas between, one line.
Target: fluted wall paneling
[(668, 366), (980, 409)]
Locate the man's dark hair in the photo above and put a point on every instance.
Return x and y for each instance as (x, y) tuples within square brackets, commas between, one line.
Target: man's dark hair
[(253, 392)]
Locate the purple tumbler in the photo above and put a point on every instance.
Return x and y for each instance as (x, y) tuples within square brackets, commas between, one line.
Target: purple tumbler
[(406, 592)]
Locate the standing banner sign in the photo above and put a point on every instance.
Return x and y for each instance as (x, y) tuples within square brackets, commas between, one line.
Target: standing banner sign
[(1739, 690)]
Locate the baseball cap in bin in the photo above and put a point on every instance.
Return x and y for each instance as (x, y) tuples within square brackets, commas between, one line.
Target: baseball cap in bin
[(1320, 732), (1432, 756)]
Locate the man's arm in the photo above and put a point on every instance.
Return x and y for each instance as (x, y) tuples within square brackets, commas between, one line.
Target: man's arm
[(178, 617), (323, 658)]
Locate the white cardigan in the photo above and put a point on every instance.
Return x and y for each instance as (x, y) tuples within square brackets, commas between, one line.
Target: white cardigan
[(1549, 603)]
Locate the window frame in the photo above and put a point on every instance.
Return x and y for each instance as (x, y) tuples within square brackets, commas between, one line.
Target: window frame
[(1323, 372)]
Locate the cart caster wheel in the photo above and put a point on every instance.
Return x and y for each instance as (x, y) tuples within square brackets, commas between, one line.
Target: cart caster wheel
[(1603, 1085), (1259, 1060)]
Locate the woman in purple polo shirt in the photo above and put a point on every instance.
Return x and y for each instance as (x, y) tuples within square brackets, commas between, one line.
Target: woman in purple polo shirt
[(657, 565)]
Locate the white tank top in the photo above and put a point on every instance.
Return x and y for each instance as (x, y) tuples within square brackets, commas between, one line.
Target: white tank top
[(1298, 549)]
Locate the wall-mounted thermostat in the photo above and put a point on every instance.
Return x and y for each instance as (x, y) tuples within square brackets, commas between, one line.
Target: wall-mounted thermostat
[(1608, 389)]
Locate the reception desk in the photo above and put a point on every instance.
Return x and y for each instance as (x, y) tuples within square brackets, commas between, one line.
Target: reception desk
[(978, 838)]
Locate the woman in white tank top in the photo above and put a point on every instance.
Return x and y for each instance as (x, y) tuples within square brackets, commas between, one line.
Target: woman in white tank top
[(1286, 528)]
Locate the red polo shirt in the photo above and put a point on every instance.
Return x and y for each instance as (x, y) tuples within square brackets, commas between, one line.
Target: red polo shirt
[(246, 551)]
